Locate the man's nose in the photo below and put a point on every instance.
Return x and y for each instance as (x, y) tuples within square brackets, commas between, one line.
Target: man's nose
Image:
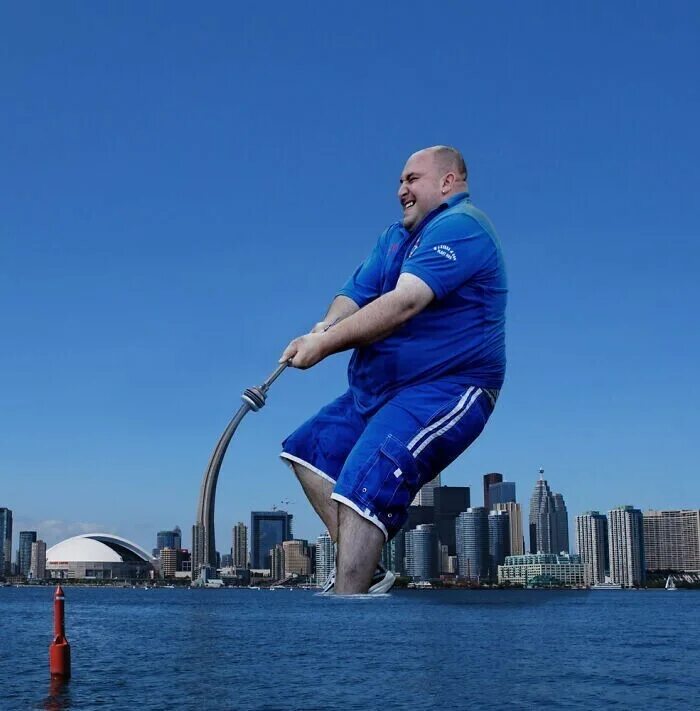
[(403, 190)]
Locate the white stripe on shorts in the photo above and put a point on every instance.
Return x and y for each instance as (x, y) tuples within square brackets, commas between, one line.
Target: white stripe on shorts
[(444, 423), (447, 426), (437, 424)]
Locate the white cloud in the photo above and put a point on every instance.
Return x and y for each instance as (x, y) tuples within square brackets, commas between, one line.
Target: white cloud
[(54, 530)]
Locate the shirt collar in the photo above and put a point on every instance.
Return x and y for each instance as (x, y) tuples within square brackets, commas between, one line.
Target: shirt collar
[(450, 202)]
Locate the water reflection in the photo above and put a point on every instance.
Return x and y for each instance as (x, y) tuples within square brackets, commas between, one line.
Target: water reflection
[(59, 695)]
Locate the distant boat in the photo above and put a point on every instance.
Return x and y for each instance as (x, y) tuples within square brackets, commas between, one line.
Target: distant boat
[(670, 583)]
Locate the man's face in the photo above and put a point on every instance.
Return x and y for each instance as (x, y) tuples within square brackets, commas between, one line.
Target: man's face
[(419, 188)]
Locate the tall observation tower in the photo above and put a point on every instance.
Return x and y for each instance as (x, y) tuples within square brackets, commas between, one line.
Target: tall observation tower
[(203, 540)]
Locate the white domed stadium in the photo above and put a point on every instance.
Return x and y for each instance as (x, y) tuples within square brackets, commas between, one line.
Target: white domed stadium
[(98, 556)]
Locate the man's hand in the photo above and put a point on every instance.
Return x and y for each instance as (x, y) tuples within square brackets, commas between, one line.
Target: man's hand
[(305, 351)]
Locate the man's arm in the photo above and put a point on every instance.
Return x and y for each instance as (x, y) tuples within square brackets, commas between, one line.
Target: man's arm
[(371, 323), (341, 307)]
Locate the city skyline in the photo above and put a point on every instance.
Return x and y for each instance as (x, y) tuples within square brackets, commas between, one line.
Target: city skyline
[(623, 546), (52, 536)]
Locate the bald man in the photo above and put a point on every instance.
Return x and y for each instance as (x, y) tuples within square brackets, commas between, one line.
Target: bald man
[(425, 313)]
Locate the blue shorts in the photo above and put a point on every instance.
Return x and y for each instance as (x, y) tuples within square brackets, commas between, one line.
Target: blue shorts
[(378, 462)]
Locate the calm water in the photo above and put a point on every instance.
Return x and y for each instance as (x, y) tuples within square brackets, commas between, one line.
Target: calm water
[(241, 649)]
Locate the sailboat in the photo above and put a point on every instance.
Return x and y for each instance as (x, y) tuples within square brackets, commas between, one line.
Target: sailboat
[(670, 583)]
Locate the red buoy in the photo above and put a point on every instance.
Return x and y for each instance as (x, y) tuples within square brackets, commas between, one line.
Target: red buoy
[(59, 649)]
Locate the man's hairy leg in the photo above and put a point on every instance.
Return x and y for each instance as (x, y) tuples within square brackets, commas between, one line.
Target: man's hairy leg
[(359, 549), (318, 491)]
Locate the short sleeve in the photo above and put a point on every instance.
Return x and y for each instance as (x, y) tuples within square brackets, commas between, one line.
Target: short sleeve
[(365, 283), (450, 253)]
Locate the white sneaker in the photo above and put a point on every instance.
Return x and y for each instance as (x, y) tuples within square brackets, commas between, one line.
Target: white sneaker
[(330, 582), (382, 580)]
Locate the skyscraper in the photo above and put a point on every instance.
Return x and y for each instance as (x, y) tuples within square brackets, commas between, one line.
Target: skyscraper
[(538, 500), (501, 492), (549, 520), (499, 540), (473, 543), (267, 530), (5, 541), (169, 539), (239, 545), (424, 497), (325, 557), (592, 543), (394, 553), (561, 518), (24, 559), (277, 562), (296, 558), (515, 523), (626, 542), (37, 565), (449, 502), (489, 480), (422, 552), (672, 540)]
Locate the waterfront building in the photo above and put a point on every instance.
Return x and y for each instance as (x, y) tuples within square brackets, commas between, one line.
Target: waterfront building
[(227, 560), (424, 497), (169, 539), (592, 543), (672, 540), (452, 565), (417, 515), (312, 561), (501, 492), (5, 541), (449, 502), (325, 557), (37, 564), (170, 562), (24, 554), (394, 553), (515, 526), (98, 555), (422, 552), (185, 565), (561, 518), (296, 558), (472, 533), (549, 520), (499, 540), (198, 545), (490, 480), (626, 543), (267, 529), (239, 545), (277, 562), (544, 569)]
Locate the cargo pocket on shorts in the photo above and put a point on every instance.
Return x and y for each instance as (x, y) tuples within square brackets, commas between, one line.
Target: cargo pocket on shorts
[(389, 482)]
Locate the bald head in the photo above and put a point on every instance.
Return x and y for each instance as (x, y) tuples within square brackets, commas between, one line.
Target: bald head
[(429, 177), (448, 160)]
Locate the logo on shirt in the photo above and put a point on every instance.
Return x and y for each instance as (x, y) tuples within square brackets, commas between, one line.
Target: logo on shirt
[(445, 251)]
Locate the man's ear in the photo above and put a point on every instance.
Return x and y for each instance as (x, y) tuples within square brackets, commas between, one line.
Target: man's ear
[(447, 182)]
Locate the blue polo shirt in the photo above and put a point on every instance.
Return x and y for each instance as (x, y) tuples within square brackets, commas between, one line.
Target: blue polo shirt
[(460, 335)]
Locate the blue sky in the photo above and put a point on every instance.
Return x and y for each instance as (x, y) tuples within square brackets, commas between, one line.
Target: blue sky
[(184, 189)]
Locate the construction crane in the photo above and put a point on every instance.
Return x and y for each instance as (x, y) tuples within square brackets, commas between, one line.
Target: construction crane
[(284, 502)]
